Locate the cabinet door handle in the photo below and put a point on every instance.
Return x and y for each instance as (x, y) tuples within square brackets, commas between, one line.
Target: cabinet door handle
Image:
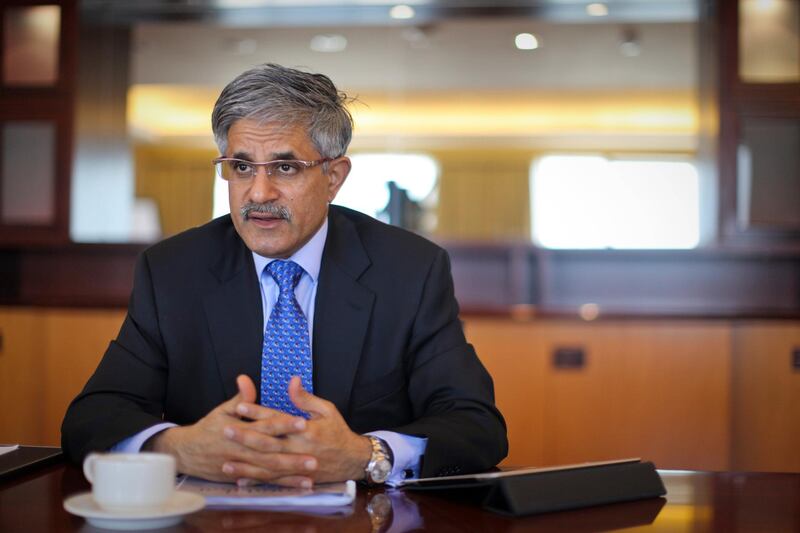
[(569, 357)]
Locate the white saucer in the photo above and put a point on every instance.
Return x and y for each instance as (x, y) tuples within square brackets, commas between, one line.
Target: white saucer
[(169, 514)]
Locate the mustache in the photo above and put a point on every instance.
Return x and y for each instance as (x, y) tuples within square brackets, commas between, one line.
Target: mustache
[(271, 209)]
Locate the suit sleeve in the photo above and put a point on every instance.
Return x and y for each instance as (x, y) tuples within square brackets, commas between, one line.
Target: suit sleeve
[(451, 392), (126, 393)]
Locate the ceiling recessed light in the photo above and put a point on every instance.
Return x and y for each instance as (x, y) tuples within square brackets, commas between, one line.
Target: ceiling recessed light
[(328, 43), (526, 41), (402, 11), (597, 9)]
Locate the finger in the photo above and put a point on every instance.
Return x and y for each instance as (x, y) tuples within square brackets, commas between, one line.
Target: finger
[(246, 393), (305, 401), (255, 440), (271, 467), (247, 390), (265, 417), (299, 482), (287, 481)]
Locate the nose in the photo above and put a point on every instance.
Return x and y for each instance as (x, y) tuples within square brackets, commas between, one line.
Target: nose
[(263, 188)]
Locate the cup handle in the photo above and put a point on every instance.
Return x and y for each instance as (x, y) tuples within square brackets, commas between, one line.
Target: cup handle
[(88, 466)]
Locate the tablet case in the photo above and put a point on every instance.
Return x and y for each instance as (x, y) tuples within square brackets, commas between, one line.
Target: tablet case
[(560, 490), (27, 458)]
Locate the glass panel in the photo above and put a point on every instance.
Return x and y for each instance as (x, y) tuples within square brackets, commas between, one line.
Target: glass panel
[(590, 202), (30, 47), (368, 188), (769, 173), (769, 41), (28, 178)]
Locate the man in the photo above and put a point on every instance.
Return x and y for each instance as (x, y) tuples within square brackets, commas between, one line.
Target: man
[(291, 342)]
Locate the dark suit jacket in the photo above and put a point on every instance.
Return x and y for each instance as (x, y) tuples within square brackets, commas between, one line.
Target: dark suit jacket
[(389, 350)]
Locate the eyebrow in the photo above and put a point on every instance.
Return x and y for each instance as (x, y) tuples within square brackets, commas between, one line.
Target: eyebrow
[(242, 155), (245, 156)]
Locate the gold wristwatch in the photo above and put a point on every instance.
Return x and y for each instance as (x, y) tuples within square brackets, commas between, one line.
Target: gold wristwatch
[(380, 463)]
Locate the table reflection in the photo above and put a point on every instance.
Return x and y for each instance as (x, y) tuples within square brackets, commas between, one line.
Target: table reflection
[(696, 501)]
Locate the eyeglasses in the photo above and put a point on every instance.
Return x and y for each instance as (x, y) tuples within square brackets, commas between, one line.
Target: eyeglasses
[(232, 169)]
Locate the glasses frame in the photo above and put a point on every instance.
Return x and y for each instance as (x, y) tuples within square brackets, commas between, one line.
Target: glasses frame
[(267, 164)]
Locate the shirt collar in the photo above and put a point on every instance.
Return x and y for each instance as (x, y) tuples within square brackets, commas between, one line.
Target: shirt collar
[(309, 256)]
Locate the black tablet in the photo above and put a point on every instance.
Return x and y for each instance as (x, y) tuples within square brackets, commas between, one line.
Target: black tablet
[(26, 458)]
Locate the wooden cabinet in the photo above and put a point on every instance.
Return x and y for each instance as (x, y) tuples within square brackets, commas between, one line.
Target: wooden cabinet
[(21, 387), (37, 78), (758, 121), (74, 343), (510, 353), (653, 390), (46, 357), (766, 378), (708, 395), (657, 390)]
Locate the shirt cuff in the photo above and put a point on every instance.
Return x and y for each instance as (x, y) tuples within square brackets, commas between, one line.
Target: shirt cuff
[(134, 444), (407, 452)]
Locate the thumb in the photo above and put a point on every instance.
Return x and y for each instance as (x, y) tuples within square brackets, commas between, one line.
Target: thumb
[(246, 393), (247, 390), (305, 401)]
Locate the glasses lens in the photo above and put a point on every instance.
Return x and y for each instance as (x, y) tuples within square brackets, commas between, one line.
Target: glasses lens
[(235, 169), (218, 168), (285, 169)]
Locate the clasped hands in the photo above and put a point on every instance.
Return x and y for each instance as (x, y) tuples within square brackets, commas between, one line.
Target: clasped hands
[(242, 441)]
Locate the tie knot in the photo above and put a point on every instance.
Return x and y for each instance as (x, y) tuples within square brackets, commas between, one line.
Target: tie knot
[(285, 273)]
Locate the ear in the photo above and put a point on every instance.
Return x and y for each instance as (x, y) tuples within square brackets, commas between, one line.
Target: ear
[(338, 169)]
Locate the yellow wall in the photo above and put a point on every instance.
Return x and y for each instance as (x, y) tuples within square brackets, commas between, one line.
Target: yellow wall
[(181, 182)]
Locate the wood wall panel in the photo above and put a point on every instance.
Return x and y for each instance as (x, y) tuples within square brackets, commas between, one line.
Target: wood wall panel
[(659, 391), (75, 340), (507, 350), (21, 350), (766, 402), (181, 182), (46, 358), (483, 197)]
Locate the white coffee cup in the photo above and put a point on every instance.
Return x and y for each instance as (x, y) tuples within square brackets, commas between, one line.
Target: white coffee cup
[(130, 481)]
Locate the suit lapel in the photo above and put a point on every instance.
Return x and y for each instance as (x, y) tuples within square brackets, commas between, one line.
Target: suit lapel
[(342, 312), (233, 311)]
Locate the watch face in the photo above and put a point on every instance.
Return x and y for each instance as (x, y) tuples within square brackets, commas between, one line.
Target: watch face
[(380, 471), (379, 510)]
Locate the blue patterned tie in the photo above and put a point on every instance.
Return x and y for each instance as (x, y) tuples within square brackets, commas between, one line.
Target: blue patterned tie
[(286, 351)]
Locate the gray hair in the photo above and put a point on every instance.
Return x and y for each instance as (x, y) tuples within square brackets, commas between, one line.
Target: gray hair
[(272, 93)]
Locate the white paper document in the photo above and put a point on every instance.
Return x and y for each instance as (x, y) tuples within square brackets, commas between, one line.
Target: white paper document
[(230, 495), (6, 449)]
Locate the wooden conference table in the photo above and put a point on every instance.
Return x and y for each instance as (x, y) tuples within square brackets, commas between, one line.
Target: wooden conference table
[(696, 502)]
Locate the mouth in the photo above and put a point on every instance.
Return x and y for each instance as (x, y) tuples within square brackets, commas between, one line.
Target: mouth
[(264, 220)]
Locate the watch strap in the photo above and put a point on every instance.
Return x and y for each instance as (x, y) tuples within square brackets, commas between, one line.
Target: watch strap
[(376, 471)]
